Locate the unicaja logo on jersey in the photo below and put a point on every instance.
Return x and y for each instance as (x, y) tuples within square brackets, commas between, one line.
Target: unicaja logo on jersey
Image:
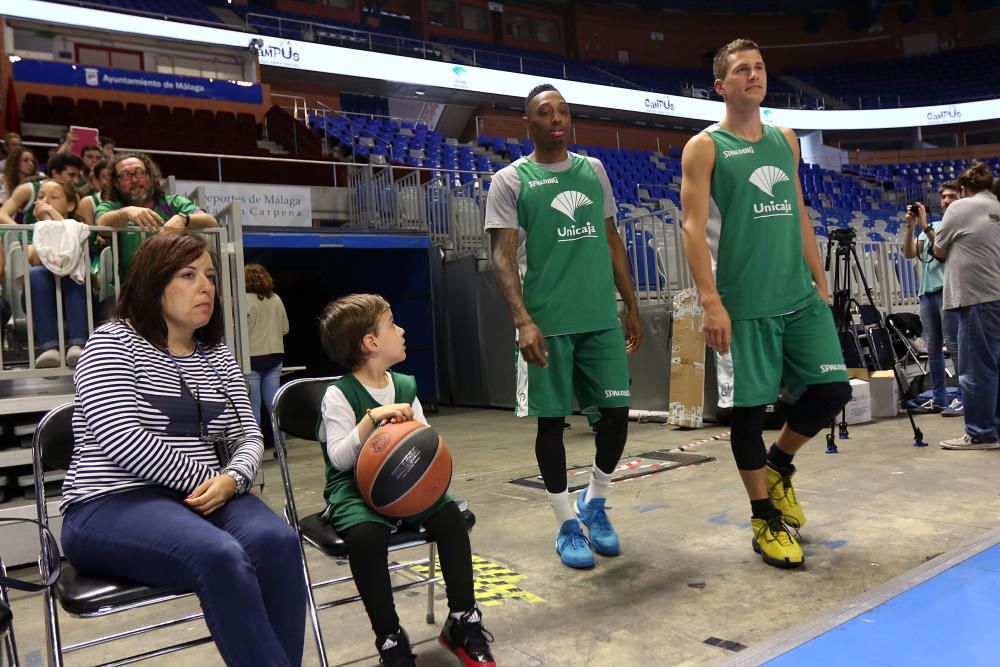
[(567, 203), (765, 178), (574, 233)]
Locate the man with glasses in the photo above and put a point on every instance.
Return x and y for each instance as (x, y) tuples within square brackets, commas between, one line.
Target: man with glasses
[(138, 201)]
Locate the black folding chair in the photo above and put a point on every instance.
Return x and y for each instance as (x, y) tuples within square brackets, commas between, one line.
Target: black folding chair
[(296, 412), (79, 594)]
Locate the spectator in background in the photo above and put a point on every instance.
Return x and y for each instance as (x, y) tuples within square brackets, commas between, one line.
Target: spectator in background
[(268, 324), (98, 182), (108, 147), (21, 167), (969, 241), (56, 201), (11, 141), (90, 155), (64, 167), (136, 200), (940, 326)]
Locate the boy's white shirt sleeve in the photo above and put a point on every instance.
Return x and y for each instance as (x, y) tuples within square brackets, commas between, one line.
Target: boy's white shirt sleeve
[(340, 430), (418, 411)]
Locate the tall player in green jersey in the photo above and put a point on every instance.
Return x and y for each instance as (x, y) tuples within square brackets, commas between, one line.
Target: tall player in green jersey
[(752, 252), (558, 260)]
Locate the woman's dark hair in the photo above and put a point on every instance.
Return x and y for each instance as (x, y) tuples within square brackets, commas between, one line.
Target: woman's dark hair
[(11, 174), (976, 178), (152, 269), (258, 281)]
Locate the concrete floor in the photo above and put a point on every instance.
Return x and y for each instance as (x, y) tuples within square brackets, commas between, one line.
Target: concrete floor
[(687, 573)]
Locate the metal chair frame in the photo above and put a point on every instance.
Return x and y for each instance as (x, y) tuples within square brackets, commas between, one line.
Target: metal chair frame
[(52, 446)]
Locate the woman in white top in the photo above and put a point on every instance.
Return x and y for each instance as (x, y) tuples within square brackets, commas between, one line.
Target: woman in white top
[(268, 323)]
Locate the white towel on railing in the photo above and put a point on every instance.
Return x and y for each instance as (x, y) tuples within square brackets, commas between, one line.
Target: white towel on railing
[(61, 246)]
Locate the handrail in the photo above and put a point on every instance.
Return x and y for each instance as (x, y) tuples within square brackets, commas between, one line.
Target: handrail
[(260, 158), (142, 12), (424, 46), (226, 240)]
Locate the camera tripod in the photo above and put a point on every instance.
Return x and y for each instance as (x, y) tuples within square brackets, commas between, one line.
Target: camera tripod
[(844, 305)]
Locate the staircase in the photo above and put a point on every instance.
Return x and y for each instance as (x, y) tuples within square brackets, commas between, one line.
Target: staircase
[(829, 101)]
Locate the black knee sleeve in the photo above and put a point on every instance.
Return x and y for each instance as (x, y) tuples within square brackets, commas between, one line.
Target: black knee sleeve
[(818, 406), (612, 432), (551, 454), (746, 437)]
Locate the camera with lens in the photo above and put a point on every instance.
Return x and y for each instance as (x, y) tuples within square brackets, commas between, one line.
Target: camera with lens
[(913, 209), (222, 445), (843, 235)]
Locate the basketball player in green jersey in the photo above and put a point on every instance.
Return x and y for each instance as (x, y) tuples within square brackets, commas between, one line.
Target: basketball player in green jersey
[(752, 252), (551, 217)]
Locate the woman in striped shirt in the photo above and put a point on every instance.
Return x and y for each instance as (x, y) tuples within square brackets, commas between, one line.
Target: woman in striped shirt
[(165, 449)]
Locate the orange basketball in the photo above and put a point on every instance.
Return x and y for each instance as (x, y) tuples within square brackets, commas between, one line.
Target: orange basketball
[(403, 469)]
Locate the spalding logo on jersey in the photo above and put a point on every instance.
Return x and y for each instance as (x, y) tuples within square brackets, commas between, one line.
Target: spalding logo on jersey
[(765, 178)]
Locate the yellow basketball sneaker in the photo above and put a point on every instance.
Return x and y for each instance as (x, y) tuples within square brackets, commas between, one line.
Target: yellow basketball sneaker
[(774, 541), (779, 488)]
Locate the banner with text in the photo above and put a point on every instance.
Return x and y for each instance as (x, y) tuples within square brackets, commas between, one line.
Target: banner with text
[(105, 78), (309, 56), (260, 204)]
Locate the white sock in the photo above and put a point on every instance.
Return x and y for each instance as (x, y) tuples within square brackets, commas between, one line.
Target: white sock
[(561, 506), (599, 483)]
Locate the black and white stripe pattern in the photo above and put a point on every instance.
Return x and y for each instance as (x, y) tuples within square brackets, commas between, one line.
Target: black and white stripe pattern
[(134, 425)]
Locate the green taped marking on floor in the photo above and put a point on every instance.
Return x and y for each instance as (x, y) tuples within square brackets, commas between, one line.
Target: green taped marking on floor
[(493, 583)]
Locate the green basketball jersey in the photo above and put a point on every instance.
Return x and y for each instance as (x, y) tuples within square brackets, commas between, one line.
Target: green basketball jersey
[(754, 229), (28, 212), (568, 281), (345, 507)]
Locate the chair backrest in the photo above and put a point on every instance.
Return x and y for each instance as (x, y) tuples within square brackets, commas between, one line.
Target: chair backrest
[(297, 406), (53, 440)]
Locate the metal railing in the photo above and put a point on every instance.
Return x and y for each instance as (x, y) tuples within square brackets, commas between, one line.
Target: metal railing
[(659, 266), (353, 38), (102, 286), (451, 214)]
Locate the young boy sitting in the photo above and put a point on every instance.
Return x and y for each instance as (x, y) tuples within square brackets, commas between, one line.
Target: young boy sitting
[(358, 332)]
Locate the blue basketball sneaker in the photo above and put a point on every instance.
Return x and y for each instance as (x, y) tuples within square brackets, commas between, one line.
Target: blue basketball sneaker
[(594, 516), (572, 547)]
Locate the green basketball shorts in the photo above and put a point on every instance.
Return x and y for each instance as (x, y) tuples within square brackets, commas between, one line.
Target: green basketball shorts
[(801, 347), (592, 366)]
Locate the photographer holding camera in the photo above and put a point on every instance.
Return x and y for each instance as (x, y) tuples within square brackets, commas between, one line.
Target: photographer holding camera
[(940, 326), (970, 239)]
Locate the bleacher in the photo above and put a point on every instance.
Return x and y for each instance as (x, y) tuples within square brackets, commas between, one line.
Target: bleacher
[(960, 75), (174, 128), (184, 9)]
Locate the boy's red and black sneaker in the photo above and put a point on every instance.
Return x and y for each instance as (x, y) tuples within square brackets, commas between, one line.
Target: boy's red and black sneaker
[(468, 639), (394, 650)]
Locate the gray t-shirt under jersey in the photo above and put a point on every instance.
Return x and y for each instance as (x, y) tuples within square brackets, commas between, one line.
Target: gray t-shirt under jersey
[(970, 232), (505, 188)]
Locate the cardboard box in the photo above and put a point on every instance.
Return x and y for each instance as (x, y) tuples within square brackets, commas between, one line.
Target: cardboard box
[(884, 394), (859, 409), (687, 362)]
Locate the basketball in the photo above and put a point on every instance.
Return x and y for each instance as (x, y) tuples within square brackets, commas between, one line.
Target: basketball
[(403, 469)]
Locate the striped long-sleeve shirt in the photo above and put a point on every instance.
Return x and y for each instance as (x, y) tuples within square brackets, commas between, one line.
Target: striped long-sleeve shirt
[(136, 425)]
